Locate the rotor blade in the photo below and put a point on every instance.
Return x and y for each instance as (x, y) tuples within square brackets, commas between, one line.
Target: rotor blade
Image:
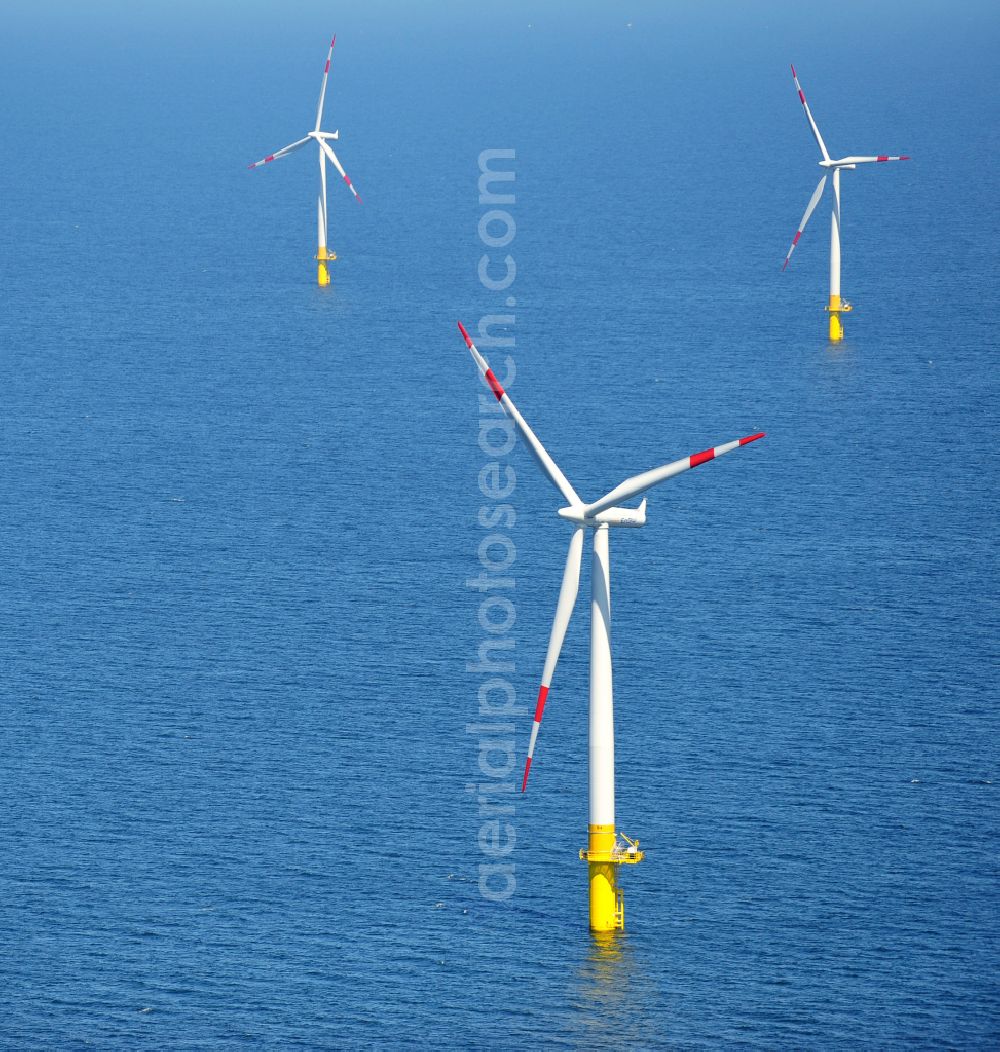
[(336, 164), (640, 483), (871, 160), (809, 117), (813, 202), (564, 611), (283, 152), (548, 465), (322, 90)]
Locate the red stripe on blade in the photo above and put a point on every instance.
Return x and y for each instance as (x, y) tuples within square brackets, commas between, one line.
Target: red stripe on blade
[(795, 240), (271, 158), (702, 458), (494, 384), (527, 767), (883, 158), (802, 97), (752, 438), (904, 158), (327, 70), (543, 693)]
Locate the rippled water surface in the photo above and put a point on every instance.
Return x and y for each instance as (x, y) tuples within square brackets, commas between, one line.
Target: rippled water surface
[(238, 515)]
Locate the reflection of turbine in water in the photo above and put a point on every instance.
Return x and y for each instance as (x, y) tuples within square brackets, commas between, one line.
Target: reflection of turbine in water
[(612, 985), (605, 950)]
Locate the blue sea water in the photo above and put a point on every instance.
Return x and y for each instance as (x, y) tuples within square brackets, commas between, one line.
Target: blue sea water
[(239, 513)]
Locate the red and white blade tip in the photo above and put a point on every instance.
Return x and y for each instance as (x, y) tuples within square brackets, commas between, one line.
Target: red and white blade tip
[(491, 379), (697, 459), (795, 241), (793, 71), (543, 693)]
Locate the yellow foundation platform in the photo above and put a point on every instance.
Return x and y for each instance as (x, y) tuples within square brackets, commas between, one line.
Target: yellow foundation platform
[(837, 306), (323, 271), (603, 855)]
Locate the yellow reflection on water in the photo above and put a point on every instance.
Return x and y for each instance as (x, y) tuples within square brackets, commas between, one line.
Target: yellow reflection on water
[(611, 992)]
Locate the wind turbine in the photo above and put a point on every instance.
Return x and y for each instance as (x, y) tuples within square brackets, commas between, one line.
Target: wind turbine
[(836, 305), (321, 138), (604, 852)]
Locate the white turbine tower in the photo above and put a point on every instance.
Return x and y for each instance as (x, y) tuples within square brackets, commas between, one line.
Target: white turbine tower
[(836, 304), (604, 851), (321, 138)]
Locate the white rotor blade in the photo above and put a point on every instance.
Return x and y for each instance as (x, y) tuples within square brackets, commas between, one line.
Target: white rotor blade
[(336, 164), (564, 611), (640, 483), (283, 152), (322, 90), (809, 116), (548, 465), (813, 202), (871, 160)]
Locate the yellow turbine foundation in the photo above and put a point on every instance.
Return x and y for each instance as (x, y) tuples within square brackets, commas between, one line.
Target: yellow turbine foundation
[(607, 910), (836, 308), (323, 271)]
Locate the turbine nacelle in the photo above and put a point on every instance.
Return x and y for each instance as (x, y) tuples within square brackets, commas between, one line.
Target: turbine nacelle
[(324, 135), (835, 164), (629, 517)]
